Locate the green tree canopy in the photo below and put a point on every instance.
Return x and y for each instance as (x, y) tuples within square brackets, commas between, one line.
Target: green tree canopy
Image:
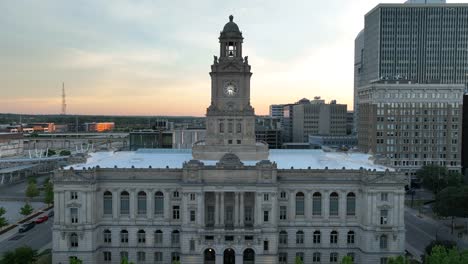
[(452, 201), (31, 190), (49, 193), (75, 261), (443, 255), (347, 260), (436, 178), (298, 260), (21, 255), (3, 221), (27, 209), (65, 153)]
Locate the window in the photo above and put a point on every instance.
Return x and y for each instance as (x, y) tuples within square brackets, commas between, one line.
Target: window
[(108, 203), (266, 216), (300, 255), (333, 257), (283, 212), (299, 237), (334, 237), (316, 237), (350, 237), (384, 196), (383, 217), (228, 238), (283, 258), (175, 212), (299, 204), (383, 242), (265, 245), (158, 257), (124, 203), (221, 127), (334, 204), (238, 142), (317, 204), (124, 236), (175, 256), (74, 215), (141, 203), (192, 215), (283, 195), (159, 203), (123, 255), (73, 195), (73, 240), (383, 260), (239, 127), (283, 238), (141, 237), (266, 197), (192, 197), (175, 194), (175, 237), (351, 204), (316, 257), (230, 127), (107, 236), (192, 245), (351, 255), (107, 256), (141, 256), (158, 237)]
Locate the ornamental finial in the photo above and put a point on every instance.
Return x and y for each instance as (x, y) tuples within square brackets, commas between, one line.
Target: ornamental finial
[(231, 17)]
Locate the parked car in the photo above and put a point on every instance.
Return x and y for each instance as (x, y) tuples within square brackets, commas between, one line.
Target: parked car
[(42, 219), (26, 227), (51, 213)]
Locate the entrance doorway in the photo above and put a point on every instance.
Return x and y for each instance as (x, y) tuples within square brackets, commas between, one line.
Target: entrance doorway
[(229, 256), (249, 256), (209, 256)]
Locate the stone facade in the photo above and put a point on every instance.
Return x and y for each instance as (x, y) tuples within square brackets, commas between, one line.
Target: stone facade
[(11, 145)]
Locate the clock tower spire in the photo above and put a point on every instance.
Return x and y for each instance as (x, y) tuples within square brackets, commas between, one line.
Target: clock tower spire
[(230, 119)]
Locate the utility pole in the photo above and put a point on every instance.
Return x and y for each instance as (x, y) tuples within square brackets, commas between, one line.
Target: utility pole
[(64, 104)]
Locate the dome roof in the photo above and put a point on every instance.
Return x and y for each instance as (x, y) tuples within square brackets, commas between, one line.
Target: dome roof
[(231, 30)]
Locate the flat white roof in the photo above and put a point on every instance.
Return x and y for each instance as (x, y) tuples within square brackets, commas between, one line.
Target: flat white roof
[(285, 159)]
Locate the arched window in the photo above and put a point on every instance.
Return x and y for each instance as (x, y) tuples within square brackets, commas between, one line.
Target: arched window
[(317, 237), (141, 237), (73, 240), (124, 203), (317, 204), (141, 203), (351, 204), (107, 203), (158, 237), (107, 236), (159, 204), (283, 237), (124, 236), (299, 237), (351, 237), (175, 237), (383, 242), (300, 204), (221, 127), (334, 237), (334, 204)]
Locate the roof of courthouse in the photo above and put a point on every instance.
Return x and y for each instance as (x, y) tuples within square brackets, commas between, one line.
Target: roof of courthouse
[(284, 158)]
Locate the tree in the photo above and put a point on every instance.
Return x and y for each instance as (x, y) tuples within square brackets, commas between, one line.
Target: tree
[(347, 260), (65, 153), (451, 202), (443, 243), (435, 177), (298, 260), (21, 255), (125, 261), (31, 190), (27, 209), (50, 152), (3, 221), (398, 260), (49, 193), (76, 261), (442, 255)]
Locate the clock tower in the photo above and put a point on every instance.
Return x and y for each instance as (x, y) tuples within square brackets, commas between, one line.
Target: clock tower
[(230, 119)]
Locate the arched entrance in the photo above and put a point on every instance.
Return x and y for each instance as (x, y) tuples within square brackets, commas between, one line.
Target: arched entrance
[(249, 256), (209, 256), (229, 256)]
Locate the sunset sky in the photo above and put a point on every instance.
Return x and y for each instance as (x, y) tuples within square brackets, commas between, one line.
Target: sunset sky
[(141, 57)]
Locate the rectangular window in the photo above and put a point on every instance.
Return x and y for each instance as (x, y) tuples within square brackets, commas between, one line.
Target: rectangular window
[(108, 204), (266, 215), (333, 257), (74, 215), (158, 257), (192, 245), (265, 245), (283, 195), (383, 217), (192, 216), (266, 197), (124, 237), (192, 197), (300, 255), (175, 194), (175, 256), (141, 256), (175, 212), (283, 212), (141, 204), (333, 205), (141, 238), (158, 237), (175, 238), (283, 258), (123, 255), (316, 257), (107, 256), (107, 237), (159, 204), (384, 196), (316, 205), (350, 206), (73, 195), (124, 204)]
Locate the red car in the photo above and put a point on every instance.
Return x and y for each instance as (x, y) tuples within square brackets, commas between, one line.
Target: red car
[(42, 219)]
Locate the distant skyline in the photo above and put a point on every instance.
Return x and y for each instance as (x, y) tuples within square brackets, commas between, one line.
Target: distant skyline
[(153, 57)]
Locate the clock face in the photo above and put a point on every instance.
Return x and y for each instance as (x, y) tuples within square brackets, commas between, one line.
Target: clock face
[(230, 88)]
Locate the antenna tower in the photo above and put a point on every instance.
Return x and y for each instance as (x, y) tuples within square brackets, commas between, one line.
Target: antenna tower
[(64, 104)]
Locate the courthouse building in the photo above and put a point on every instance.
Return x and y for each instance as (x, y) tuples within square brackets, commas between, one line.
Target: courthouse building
[(229, 199)]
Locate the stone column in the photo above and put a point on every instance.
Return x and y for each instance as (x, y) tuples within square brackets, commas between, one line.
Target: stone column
[(326, 205), (133, 203), (115, 204), (149, 203), (258, 210), (274, 209), (201, 209), (167, 210), (292, 206), (239, 258), (241, 210), (308, 205), (216, 213), (222, 210), (236, 209), (183, 209), (342, 206), (219, 258)]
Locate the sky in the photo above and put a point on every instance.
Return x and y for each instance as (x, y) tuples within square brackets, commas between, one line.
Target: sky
[(141, 57)]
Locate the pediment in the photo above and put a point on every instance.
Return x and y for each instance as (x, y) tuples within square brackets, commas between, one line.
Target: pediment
[(386, 178), (75, 176), (231, 66)]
